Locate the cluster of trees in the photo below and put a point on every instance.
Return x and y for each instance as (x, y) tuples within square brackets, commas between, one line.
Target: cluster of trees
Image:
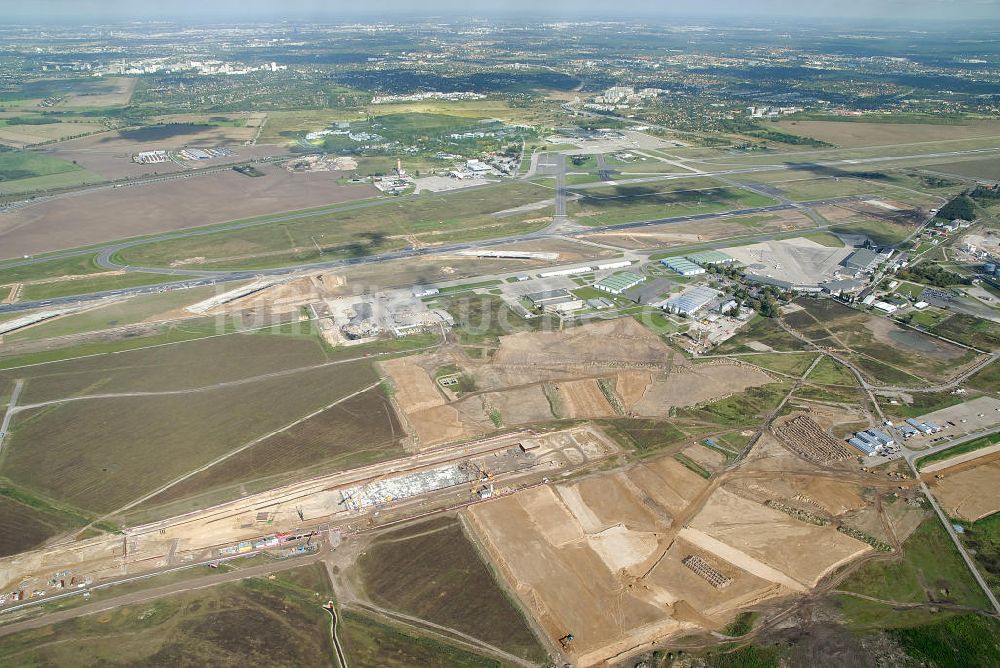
[(766, 301), (984, 192), (961, 206), (933, 274)]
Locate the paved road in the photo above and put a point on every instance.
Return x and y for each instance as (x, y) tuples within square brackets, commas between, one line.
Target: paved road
[(912, 456), (11, 410)]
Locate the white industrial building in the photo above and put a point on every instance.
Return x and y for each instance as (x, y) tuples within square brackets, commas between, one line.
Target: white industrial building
[(690, 301)]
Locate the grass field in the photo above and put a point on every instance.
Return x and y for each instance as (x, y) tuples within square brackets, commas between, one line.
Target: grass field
[(272, 622), (970, 330), (117, 314), (828, 372), (362, 430), (90, 453), (71, 266), (958, 641), (761, 330), (855, 133), (373, 644), (987, 380), (930, 570), (801, 190), (982, 538), (431, 570), (987, 168), (627, 203), (740, 410), (16, 165), (98, 283), (157, 335), (884, 351), (881, 232), (794, 364), (646, 437), (385, 226), (922, 403)]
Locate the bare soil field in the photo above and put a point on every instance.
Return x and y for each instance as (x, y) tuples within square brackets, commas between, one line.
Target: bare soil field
[(537, 376), (823, 495), (562, 580), (705, 457), (99, 454), (360, 431), (674, 234), (969, 490), (691, 385), (116, 213), (853, 134), (622, 343), (584, 399), (801, 551), (615, 559)]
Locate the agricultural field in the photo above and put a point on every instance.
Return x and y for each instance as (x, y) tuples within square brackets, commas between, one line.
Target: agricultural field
[(222, 404), (26, 522), (361, 430), (18, 168), (611, 205), (22, 131), (275, 621), (431, 571), (356, 231)]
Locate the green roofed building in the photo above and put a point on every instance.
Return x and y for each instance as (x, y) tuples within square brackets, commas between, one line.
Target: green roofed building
[(619, 282), (682, 266), (710, 257)]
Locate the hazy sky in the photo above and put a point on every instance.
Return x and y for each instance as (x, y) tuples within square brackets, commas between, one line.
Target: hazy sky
[(236, 10)]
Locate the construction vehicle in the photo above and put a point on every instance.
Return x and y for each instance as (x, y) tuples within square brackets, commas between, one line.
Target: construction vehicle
[(566, 640)]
